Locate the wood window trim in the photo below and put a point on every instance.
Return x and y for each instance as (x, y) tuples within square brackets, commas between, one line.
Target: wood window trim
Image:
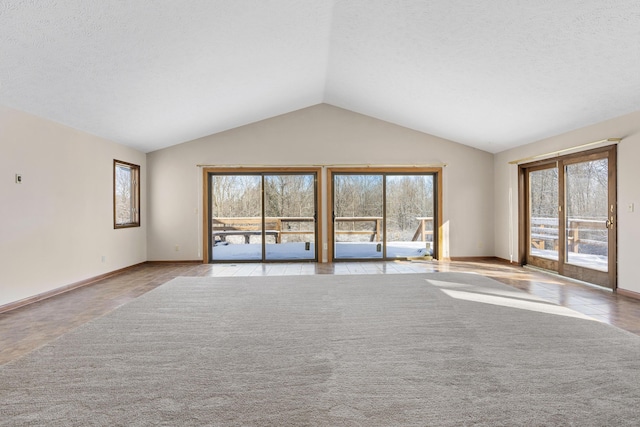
[(135, 196), (258, 170)]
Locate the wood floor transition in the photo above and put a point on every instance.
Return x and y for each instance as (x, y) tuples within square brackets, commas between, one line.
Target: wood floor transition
[(27, 328)]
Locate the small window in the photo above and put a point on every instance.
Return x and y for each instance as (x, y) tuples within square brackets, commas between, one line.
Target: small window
[(126, 194)]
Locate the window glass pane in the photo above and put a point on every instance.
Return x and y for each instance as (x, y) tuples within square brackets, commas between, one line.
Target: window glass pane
[(126, 195), (410, 215), (358, 216), (543, 214), (587, 213), (241, 226), (236, 218), (289, 214)]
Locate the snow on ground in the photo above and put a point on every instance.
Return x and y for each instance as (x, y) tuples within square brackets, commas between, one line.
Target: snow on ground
[(297, 251)]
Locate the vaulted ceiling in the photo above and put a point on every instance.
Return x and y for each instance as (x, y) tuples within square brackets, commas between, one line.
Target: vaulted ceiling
[(490, 74)]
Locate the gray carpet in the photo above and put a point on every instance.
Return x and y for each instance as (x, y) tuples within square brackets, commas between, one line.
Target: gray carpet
[(443, 349)]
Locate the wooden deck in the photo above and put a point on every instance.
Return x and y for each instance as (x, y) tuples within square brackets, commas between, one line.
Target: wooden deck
[(222, 227)]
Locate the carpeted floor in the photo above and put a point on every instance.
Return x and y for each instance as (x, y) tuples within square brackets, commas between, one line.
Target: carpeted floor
[(441, 349)]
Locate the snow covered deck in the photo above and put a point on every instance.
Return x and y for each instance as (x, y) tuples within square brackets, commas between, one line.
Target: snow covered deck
[(302, 251)]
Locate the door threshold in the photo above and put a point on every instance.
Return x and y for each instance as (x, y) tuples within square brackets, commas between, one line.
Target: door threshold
[(567, 278)]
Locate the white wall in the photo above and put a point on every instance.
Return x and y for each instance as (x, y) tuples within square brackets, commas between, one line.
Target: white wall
[(627, 127), (56, 226), (318, 135)]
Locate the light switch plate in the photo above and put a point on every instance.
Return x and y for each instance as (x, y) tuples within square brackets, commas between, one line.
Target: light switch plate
[(18, 178)]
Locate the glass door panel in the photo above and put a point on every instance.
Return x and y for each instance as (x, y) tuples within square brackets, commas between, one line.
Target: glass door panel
[(587, 213), (290, 225), (357, 216), (236, 217), (571, 217), (543, 213), (409, 215)]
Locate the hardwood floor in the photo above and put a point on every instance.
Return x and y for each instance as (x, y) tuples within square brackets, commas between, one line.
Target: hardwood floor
[(27, 328)]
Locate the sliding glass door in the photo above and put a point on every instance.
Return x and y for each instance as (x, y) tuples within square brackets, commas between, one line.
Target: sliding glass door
[(570, 209), (262, 216), (383, 215)]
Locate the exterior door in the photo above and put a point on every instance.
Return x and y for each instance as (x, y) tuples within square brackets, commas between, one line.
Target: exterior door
[(570, 224), (261, 216), (384, 214)]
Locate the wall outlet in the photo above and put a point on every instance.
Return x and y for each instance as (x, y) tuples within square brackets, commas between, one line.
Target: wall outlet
[(18, 178), (177, 248), (631, 207), (103, 258)]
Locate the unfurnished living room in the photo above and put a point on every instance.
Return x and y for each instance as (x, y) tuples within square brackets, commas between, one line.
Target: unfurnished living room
[(328, 212)]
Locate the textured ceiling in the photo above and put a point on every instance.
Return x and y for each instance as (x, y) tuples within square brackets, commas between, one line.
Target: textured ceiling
[(153, 73)]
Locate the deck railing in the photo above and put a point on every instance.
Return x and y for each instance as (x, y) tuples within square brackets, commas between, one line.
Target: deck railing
[(222, 227), (374, 229), (580, 231), (423, 231)]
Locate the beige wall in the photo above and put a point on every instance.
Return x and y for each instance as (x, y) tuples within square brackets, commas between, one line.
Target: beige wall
[(505, 176), (319, 135), (56, 226)]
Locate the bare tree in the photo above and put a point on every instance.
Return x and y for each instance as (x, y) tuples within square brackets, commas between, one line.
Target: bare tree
[(124, 193)]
